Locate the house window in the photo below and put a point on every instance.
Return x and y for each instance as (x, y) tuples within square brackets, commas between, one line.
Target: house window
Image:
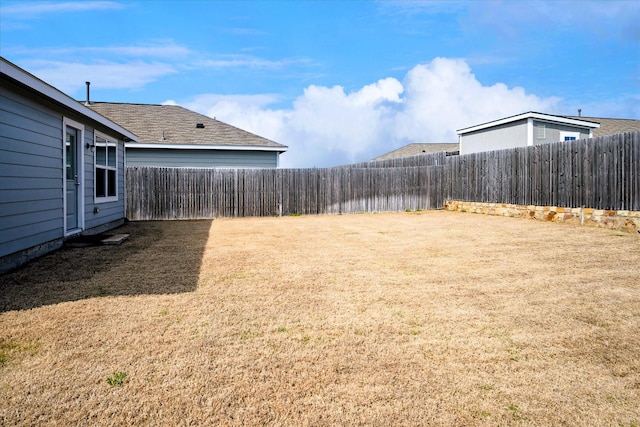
[(569, 136), (106, 173), (541, 131)]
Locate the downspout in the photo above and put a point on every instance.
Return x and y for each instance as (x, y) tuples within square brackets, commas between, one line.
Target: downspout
[(529, 132)]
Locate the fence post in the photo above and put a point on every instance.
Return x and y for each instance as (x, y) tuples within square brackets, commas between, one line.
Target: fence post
[(601, 173)]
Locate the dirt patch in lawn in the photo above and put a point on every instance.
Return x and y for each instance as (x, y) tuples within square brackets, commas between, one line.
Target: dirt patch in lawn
[(431, 318)]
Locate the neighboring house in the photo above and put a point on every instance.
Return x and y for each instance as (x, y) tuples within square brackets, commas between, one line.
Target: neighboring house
[(172, 136), (418, 149), (61, 168), (524, 130), (610, 126)]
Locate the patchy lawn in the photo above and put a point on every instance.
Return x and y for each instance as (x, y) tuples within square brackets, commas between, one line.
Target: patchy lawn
[(431, 318)]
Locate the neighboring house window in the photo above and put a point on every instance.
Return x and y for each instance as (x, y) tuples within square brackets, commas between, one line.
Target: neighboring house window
[(569, 136), (106, 159), (541, 134)]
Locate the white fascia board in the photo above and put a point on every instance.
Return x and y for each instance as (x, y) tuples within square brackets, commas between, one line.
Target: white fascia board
[(59, 97), (204, 147), (531, 115)]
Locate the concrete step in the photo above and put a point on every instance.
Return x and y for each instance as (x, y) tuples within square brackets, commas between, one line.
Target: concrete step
[(115, 239)]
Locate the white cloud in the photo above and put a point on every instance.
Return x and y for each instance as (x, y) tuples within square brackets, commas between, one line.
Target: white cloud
[(415, 7), (617, 18), (249, 112), (602, 20), (249, 61), (30, 9), (70, 77), (243, 31), (444, 96), (156, 49), (326, 126)]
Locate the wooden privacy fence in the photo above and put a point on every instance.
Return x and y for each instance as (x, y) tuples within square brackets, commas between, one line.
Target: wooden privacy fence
[(600, 173), (172, 193)]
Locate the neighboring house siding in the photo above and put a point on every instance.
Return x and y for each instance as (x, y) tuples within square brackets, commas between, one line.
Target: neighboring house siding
[(525, 129), (201, 158), (173, 136), (30, 173), (544, 132), (509, 135)]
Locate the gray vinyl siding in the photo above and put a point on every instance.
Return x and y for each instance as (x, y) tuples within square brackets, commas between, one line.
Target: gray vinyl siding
[(552, 132), (510, 135), (31, 210), (175, 158), (31, 173)]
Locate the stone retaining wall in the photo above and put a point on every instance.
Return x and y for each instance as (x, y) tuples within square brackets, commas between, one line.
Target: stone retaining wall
[(628, 221)]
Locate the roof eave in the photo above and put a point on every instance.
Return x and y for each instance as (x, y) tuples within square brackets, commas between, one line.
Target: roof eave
[(280, 149), (21, 76), (530, 115)]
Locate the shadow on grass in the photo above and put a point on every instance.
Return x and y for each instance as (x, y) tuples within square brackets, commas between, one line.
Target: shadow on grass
[(157, 258)]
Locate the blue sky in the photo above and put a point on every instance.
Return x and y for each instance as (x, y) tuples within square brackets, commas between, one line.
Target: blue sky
[(338, 81)]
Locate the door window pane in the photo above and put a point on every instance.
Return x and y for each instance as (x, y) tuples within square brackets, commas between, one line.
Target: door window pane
[(70, 148)]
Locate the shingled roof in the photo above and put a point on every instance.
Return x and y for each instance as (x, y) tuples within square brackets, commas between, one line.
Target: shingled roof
[(417, 149), (611, 126), (175, 125)]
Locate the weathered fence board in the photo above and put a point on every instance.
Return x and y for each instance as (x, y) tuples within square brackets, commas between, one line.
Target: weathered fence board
[(601, 173), (170, 193)]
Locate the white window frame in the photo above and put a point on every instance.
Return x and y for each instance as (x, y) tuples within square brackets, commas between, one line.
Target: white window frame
[(66, 122), (110, 142), (564, 134)]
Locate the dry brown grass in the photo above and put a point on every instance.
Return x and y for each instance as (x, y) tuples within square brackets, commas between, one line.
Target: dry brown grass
[(430, 318)]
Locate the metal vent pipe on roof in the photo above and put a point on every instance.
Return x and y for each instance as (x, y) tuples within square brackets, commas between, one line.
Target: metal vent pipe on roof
[(88, 102)]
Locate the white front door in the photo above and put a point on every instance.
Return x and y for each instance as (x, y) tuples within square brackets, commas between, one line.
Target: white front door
[(73, 178)]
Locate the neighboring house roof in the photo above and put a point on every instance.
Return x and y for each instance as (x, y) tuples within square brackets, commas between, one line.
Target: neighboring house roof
[(611, 126), (172, 126), (417, 149), (44, 89), (579, 122)]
